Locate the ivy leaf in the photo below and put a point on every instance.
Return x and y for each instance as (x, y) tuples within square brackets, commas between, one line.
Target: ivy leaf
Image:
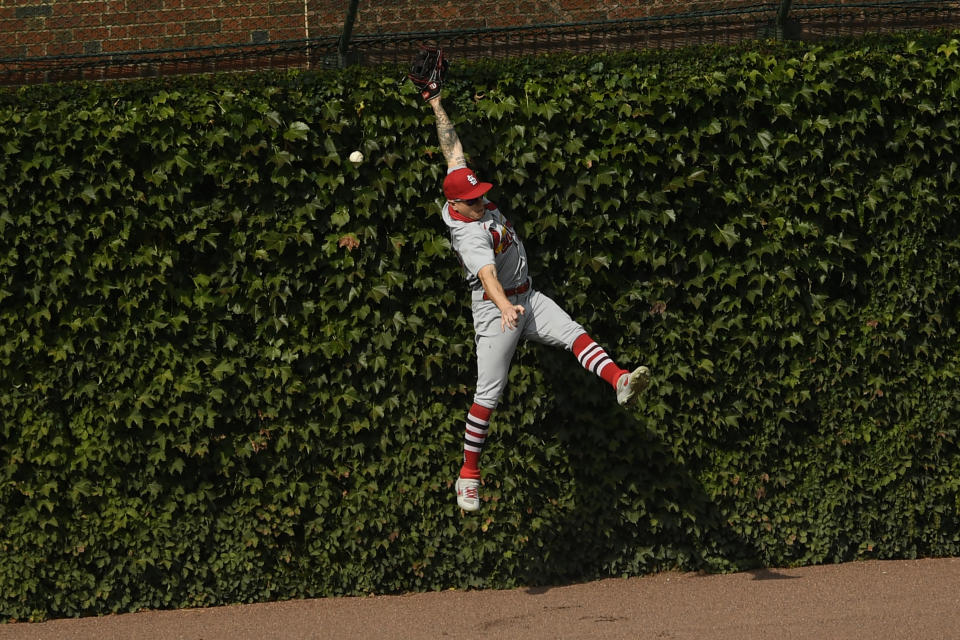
[(297, 131), (765, 138), (726, 236)]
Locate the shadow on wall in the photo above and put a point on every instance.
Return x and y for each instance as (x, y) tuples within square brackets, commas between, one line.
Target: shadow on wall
[(618, 502)]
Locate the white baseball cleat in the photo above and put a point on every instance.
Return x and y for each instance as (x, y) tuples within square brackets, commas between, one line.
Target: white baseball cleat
[(630, 384), (468, 494)]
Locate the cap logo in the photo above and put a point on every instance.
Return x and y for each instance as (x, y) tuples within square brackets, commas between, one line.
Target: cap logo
[(472, 179)]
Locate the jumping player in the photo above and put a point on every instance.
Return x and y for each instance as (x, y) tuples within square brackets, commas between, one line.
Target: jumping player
[(505, 306)]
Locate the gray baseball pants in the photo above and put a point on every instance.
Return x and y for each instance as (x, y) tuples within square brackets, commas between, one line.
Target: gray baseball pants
[(543, 321)]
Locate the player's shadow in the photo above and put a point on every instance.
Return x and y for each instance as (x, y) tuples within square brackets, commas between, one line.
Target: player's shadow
[(624, 504), (770, 574)]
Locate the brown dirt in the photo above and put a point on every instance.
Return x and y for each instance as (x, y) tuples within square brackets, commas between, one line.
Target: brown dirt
[(875, 600)]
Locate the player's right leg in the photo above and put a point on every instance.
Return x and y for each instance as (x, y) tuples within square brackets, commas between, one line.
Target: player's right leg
[(475, 435), (494, 354)]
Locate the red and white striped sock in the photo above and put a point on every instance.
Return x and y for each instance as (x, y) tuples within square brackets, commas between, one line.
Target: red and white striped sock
[(593, 358), (478, 424)]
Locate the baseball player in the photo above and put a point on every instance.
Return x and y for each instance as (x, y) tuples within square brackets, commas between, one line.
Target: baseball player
[(506, 307)]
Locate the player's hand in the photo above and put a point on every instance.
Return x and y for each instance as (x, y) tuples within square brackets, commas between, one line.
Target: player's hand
[(510, 316)]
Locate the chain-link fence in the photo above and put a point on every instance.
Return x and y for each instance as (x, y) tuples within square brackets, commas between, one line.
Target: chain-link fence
[(54, 40)]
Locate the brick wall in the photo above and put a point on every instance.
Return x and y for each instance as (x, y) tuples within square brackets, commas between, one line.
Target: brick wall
[(37, 28), (398, 16), (32, 28)]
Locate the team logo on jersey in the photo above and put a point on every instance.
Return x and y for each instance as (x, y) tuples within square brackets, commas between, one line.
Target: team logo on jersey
[(505, 240)]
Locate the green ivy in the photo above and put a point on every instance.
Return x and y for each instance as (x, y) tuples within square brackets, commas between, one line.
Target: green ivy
[(234, 366)]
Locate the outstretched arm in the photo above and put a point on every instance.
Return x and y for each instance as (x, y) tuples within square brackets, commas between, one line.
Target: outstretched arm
[(449, 142)]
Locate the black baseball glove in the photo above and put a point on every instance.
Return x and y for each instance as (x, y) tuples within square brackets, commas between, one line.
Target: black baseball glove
[(428, 71)]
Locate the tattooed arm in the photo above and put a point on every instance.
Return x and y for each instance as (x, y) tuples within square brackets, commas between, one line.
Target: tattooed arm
[(449, 142)]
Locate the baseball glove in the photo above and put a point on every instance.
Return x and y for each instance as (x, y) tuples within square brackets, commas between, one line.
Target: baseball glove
[(428, 71)]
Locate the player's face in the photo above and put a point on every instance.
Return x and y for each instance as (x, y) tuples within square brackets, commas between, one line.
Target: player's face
[(472, 209)]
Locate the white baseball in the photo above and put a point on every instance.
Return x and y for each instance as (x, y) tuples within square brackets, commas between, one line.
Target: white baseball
[(356, 157)]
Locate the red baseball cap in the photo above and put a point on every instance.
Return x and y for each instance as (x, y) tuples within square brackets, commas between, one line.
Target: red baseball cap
[(462, 184)]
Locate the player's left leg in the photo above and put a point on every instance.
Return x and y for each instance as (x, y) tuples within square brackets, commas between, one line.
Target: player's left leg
[(594, 358), (552, 325), (494, 353)]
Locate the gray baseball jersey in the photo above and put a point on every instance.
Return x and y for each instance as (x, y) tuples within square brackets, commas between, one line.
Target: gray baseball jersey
[(493, 240), (489, 240)]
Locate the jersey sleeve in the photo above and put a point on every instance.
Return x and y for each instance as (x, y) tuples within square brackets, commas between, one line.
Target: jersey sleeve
[(474, 245)]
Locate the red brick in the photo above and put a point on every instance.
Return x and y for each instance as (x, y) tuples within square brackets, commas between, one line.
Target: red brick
[(191, 5), (10, 50), (252, 24), (8, 30), (281, 22), (120, 17), (33, 37), (151, 43), (200, 27), (116, 46), (231, 25), (35, 51), (123, 33), (589, 16), (93, 33), (208, 39), (232, 10), (287, 34), (628, 13), (144, 5), (65, 49), (150, 17), (180, 42), (72, 21), (515, 20), (286, 8)]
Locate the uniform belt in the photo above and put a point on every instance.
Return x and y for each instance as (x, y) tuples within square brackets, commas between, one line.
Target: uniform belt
[(512, 292)]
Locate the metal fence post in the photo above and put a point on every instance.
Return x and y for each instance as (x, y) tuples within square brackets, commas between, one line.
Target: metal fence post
[(347, 31), (782, 13)]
